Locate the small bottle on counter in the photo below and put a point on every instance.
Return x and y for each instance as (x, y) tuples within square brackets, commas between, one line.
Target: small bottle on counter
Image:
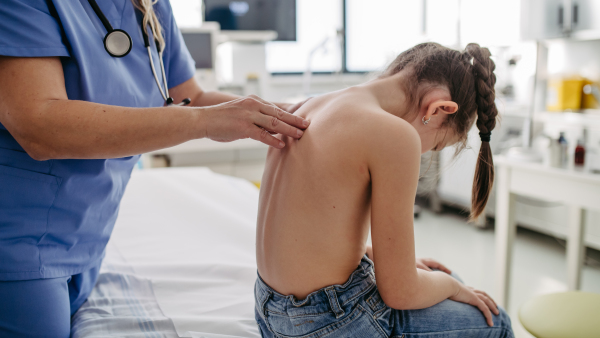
[(564, 151), (580, 153), (252, 86)]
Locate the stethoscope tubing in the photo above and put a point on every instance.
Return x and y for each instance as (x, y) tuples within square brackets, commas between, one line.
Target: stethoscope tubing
[(101, 16), (164, 95)]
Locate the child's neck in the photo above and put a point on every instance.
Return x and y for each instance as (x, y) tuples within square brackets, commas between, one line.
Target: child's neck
[(389, 94)]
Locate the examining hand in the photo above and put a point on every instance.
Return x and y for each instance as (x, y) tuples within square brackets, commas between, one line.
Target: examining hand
[(477, 298), (251, 117), (428, 264)]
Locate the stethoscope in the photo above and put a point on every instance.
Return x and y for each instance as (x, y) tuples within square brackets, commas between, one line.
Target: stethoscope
[(118, 44)]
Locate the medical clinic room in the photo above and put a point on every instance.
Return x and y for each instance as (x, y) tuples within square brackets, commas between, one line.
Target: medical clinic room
[(300, 168)]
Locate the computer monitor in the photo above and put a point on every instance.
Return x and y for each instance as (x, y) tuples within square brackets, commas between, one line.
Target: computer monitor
[(200, 45), (253, 15)]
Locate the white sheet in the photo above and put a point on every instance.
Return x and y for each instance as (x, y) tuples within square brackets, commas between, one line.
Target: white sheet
[(185, 237)]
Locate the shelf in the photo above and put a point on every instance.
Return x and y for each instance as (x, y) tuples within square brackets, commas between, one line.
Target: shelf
[(206, 145), (319, 79), (542, 169), (512, 109), (587, 118), (585, 35), (247, 36)]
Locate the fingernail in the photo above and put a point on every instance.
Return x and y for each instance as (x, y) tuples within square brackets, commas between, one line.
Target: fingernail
[(281, 144), (305, 123), (299, 133)]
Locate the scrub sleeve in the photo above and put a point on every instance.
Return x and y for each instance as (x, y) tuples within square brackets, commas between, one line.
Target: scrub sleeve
[(56, 216)]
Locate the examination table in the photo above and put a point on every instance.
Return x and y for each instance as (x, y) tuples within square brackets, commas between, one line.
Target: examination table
[(181, 260)]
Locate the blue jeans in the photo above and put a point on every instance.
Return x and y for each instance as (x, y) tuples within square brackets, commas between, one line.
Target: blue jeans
[(43, 307), (355, 309)]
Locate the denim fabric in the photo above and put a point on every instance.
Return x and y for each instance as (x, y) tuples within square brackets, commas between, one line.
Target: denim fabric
[(355, 309)]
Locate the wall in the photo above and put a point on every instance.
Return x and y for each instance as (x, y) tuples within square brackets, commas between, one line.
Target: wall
[(574, 57)]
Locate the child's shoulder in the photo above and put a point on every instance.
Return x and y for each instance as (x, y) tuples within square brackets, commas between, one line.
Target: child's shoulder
[(354, 123), (353, 110), (374, 127)]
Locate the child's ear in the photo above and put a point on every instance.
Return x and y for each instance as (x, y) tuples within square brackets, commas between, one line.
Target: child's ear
[(447, 107)]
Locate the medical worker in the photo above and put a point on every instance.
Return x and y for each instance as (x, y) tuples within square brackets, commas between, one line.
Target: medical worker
[(86, 86)]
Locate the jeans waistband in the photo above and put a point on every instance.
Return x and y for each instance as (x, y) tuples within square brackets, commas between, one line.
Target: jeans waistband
[(332, 297)]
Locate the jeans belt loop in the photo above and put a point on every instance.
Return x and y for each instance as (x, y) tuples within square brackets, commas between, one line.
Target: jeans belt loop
[(333, 302), (263, 305)]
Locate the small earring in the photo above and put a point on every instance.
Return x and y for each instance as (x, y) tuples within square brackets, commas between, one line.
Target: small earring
[(425, 121)]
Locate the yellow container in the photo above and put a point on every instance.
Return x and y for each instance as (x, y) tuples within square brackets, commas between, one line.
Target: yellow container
[(565, 93), (588, 101)]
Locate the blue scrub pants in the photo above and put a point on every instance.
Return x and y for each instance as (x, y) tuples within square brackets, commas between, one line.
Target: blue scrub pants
[(43, 307)]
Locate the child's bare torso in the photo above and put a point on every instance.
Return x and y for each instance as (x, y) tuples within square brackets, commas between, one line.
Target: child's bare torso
[(314, 211)]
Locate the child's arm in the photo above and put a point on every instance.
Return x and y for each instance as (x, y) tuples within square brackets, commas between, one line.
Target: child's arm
[(422, 263), (394, 162)]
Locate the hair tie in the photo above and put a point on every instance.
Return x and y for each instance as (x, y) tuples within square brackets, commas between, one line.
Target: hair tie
[(485, 137)]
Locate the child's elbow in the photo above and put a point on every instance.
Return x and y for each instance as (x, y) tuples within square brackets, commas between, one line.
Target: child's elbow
[(398, 299)]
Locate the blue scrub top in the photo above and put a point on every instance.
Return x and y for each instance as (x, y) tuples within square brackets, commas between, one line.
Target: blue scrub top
[(56, 216)]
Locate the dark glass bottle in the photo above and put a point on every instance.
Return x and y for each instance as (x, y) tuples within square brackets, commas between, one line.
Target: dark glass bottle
[(579, 154)]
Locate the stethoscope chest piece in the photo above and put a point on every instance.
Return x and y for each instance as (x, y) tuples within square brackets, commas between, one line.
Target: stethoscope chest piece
[(117, 43)]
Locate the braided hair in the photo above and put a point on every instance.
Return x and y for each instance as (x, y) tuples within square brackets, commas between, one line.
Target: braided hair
[(469, 77), (483, 72)]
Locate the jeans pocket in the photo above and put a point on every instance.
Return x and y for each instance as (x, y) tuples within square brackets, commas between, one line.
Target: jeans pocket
[(25, 201), (356, 324), (374, 301)]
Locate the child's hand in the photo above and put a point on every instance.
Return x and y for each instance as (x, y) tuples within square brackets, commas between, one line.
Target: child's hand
[(479, 299), (428, 264)]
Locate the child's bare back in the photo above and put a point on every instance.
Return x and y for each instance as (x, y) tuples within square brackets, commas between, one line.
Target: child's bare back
[(313, 217)]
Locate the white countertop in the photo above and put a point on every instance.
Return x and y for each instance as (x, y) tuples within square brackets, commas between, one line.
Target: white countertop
[(574, 173), (203, 145)]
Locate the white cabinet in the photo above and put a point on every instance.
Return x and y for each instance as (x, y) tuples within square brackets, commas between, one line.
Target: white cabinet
[(585, 15), (586, 19), (543, 19), (242, 158), (549, 19)]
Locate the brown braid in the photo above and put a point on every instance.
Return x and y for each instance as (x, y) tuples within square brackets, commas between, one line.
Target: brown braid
[(483, 72), (485, 79)]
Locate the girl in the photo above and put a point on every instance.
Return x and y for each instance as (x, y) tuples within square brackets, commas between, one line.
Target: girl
[(357, 168)]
